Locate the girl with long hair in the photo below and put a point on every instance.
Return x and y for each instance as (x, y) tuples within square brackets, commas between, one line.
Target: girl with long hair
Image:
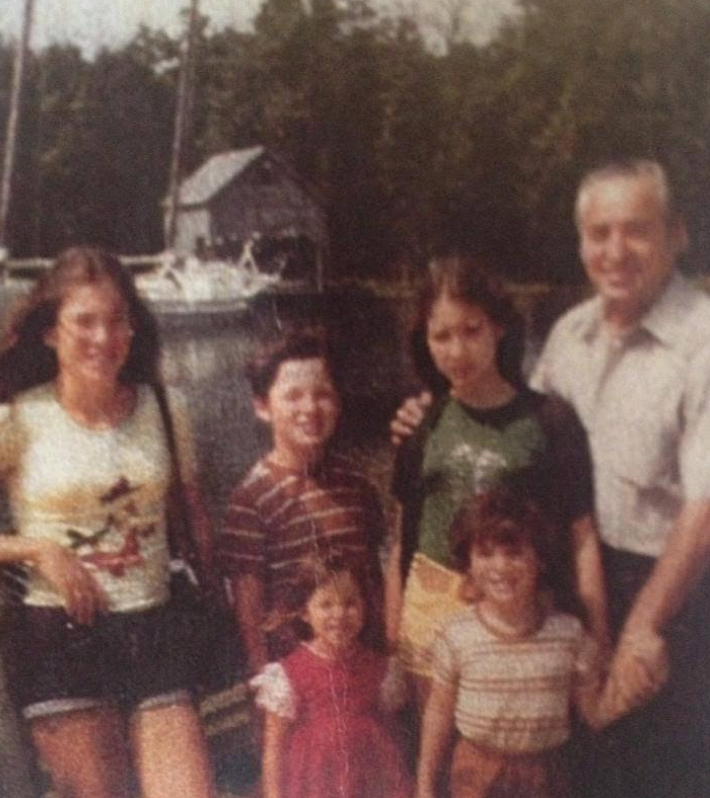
[(98, 660), (483, 426)]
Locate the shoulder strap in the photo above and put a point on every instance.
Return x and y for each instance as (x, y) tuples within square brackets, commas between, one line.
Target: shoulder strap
[(179, 528)]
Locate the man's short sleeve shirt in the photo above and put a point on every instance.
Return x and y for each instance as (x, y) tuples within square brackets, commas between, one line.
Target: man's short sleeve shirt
[(645, 402)]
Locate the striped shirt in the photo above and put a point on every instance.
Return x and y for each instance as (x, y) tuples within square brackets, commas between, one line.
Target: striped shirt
[(278, 516), (513, 696)]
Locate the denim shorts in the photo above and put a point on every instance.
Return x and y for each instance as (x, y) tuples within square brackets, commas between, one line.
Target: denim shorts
[(128, 660)]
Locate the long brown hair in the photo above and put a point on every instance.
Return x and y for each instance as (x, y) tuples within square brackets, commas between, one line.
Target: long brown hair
[(468, 279), (26, 360)]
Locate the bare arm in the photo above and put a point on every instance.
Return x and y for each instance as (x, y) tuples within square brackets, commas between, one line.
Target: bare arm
[(587, 701), (674, 575), (676, 571), (186, 463), (393, 583), (590, 578), (437, 726), (248, 591), (601, 703), (274, 743), (81, 595)]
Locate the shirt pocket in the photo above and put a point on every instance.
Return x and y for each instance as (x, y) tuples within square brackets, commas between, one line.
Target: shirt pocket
[(641, 451)]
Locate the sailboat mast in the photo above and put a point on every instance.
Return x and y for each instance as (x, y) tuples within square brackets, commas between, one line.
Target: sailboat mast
[(13, 120), (181, 126)]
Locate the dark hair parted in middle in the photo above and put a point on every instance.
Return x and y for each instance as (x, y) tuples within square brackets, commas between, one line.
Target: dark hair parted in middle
[(468, 279), (300, 344)]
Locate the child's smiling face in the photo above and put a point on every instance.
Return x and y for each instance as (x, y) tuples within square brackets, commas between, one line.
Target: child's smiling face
[(302, 407), (506, 574), (336, 614)]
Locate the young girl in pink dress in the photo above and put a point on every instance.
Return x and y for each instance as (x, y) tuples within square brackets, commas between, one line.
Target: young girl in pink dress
[(326, 731)]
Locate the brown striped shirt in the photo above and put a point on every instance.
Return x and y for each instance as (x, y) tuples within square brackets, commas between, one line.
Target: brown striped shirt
[(513, 696), (278, 516)]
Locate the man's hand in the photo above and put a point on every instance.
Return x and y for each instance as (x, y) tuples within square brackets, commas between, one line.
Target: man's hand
[(641, 663), (638, 671), (409, 416)]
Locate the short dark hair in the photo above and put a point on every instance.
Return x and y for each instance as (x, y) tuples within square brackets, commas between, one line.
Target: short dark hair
[(470, 279), (502, 516), (303, 344)]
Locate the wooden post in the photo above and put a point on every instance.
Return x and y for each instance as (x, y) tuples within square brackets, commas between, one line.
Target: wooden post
[(13, 121), (181, 126)]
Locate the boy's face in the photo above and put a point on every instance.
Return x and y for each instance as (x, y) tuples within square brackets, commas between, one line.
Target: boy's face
[(302, 407)]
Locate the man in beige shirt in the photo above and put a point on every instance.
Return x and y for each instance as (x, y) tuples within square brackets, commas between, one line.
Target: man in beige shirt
[(634, 362)]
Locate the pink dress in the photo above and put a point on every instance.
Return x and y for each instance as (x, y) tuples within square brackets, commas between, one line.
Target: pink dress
[(338, 745)]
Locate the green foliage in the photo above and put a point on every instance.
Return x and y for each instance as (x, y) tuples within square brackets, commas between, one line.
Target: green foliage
[(409, 150), (94, 150)]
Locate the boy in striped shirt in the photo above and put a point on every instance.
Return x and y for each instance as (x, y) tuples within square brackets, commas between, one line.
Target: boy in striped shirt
[(300, 498)]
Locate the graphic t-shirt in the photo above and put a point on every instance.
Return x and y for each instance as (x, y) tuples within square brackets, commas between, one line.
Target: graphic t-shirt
[(100, 493), (466, 453), (458, 452)]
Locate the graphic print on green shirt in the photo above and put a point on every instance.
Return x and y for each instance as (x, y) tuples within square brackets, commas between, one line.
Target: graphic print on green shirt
[(464, 456)]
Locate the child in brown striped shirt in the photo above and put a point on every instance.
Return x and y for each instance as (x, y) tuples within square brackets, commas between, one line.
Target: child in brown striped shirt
[(300, 499), (508, 670)]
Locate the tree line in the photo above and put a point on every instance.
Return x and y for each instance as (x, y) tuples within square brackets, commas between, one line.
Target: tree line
[(410, 148)]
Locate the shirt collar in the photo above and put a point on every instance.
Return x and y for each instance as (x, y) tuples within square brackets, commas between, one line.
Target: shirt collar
[(662, 320), (665, 316), (591, 322)]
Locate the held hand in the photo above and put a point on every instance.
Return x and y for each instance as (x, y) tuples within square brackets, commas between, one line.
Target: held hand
[(638, 671), (81, 595), (641, 663), (409, 416)]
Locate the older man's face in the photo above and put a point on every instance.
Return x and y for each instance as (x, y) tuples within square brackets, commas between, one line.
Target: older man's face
[(628, 244)]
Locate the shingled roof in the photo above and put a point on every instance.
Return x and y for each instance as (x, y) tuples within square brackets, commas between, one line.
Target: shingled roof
[(215, 174)]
